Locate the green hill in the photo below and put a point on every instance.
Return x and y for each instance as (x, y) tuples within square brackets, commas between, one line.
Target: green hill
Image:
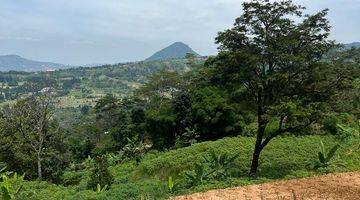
[(84, 85), (353, 44)]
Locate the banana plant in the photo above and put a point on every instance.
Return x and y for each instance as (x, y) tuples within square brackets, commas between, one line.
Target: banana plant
[(196, 176), (217, 166), (220, 164), (10, 185), (325, 156), (100, 189)]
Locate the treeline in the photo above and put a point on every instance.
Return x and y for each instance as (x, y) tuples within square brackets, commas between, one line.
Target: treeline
[(118, 79)]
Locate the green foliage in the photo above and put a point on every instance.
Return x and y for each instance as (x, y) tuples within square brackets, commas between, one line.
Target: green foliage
[(160, 88), (276, 74), (350, 131), (10, 185), (85, 109), (100, 189), (212, 114), (161, 126), (134, 150), (220, 164), (330, 124), (215, 167), (100, 174), (32, 140), (85, 83), (275, 55), (196, 176), (107, 111), (285, 158), (171, 184), (325, 156)]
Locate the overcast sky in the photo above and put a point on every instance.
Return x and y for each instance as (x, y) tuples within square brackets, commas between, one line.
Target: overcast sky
[(110, 31)]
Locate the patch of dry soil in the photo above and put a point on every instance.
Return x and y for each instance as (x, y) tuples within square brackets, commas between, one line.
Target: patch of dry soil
[(340, 186)]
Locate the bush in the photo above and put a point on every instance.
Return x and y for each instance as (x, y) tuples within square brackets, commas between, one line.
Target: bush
[(100, 174), (330, 124)]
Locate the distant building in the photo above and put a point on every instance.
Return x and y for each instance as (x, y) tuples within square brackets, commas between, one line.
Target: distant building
[(46, 89)]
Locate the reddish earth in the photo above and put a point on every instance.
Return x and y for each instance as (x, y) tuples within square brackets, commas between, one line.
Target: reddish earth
[(341, 186)]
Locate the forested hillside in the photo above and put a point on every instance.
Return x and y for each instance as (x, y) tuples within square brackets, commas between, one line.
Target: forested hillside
[(84, 85), (280, 100)]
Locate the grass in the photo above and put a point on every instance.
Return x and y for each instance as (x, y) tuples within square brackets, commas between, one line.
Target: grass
[(285, 158)]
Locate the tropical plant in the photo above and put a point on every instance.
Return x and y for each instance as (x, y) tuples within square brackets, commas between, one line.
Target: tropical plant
[(350, 131), (196, 176), (325, 156), (216, 166), (100, 189), (10, 184), (220, 164), (171, 184), (100, 174), (134, 150)]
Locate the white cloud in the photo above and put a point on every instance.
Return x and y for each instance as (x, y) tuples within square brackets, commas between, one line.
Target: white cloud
[(129, 29)]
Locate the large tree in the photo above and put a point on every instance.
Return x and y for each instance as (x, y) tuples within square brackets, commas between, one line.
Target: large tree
[(32, 137), (274, 56)]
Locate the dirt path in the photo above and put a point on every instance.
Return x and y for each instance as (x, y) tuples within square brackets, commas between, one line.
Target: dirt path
[(341, 186)]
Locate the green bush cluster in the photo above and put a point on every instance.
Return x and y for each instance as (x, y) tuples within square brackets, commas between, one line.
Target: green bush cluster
[(286, 157)]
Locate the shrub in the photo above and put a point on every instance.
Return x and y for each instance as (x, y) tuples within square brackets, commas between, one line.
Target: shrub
[(330, 124), (350, 130), (100, 174)]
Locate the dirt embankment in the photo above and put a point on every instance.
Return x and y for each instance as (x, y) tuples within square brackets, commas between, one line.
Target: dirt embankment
[(340, 186)]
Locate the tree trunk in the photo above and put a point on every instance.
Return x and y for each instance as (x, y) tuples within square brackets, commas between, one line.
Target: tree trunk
[(258, 144), (38, 159)]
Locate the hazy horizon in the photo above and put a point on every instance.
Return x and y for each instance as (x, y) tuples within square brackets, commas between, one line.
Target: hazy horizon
[(81, 32)]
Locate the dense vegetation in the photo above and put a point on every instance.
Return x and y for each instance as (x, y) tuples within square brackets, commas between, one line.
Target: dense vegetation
[(77, 86), (280, 100), (285, 158)]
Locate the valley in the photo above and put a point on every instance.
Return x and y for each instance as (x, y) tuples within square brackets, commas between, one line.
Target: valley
[(272, 113)]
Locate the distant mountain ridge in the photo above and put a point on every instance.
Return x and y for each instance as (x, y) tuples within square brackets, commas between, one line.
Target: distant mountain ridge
[(175, 50), (353, 44), (18, 63)]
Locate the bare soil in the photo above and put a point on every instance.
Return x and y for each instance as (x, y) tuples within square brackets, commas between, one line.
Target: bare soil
[(340, 186)]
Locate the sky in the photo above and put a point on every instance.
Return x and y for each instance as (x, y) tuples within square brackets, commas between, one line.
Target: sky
[(81, 32)]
